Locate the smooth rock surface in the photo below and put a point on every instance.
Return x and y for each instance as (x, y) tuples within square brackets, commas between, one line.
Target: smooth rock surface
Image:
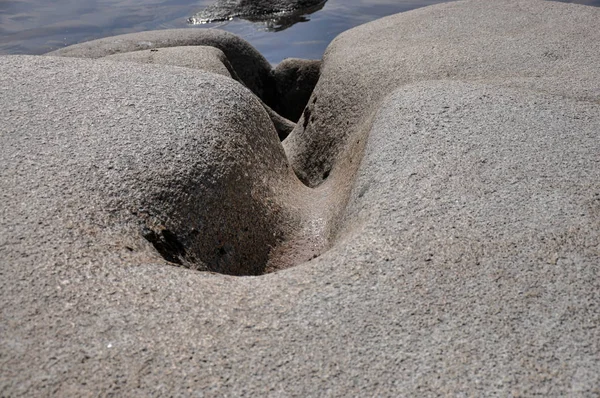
[(454, 245), (251, 67), (190, 48), (544, 46), (202, 176), (209, 59), (206, 58)]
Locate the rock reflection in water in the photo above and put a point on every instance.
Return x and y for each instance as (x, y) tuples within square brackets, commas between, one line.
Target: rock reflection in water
[(275, 15)]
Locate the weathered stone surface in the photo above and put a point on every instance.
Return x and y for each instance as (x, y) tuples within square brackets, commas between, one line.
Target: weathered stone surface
[(190, 48), (461, 218), (503, 41), (474, 216), (251, 67), (203, 177), (206, 58)]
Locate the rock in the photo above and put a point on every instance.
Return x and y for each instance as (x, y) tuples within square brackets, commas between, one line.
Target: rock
[(474, 218), (141, 143), (280, 21), (189, 48), (251, 67), (449, 245), (206, 58), (504, 41), (209, 59), (295, 80)]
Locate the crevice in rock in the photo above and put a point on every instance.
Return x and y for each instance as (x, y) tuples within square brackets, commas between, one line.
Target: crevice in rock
[(307, 113), (234, 234), (167, 244), (242, 237), (294, 81), (287, 91)]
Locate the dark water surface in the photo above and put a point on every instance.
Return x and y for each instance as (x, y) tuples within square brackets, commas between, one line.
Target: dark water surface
[(39, 26)]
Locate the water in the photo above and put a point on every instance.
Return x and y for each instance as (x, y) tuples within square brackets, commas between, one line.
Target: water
[(39, 26)]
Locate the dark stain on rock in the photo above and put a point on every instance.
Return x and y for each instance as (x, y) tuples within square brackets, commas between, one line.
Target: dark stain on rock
[(363, 190), (307, 113)]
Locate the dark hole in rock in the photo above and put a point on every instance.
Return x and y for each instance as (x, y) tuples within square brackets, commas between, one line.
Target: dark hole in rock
[(166, 243)]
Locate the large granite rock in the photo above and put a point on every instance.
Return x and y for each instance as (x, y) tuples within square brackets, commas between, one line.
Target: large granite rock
[(205, 58), (453, 246), (211, 59), (285, 88), (200, 176), (251, 67), (505, 41)]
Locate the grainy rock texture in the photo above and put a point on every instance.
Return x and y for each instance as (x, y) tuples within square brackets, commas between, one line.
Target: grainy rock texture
[(453, 227), (515, 42), (211, 59), (251, 67), (199, 49), (206, 58)]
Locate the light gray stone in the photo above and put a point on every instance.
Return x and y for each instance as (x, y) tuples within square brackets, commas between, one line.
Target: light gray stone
[(455, 237), (190, 48), (209, 59), (111, 146), (251, 67), (539, 45), (206, 58)]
